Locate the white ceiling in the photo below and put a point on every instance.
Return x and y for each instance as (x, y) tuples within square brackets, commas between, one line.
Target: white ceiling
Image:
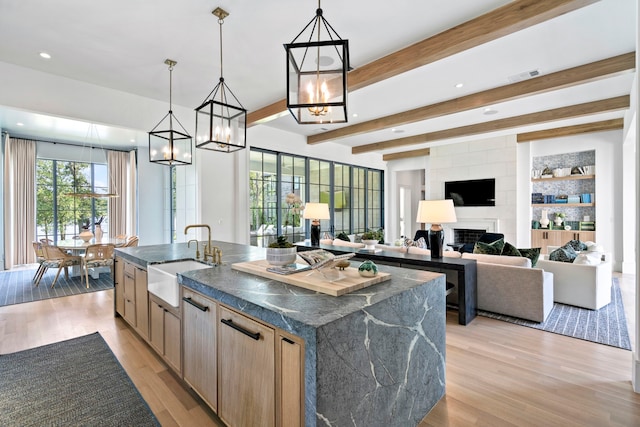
[(122, 45)]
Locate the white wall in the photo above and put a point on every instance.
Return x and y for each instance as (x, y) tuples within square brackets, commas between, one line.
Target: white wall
[(485, 158), (152, 197), (609, 166)]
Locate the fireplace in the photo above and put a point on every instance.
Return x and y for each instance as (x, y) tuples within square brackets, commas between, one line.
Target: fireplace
[(468, 230), (467, 235)]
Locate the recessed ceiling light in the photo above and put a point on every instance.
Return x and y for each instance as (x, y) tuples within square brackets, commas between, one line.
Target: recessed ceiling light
[(45, 55), (459, 85), (395, 130), (20, 124), (488, 111)]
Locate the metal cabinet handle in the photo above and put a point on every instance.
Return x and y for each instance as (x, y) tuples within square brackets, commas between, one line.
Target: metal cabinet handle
[(287, 340), (254, 335), (195, 304)]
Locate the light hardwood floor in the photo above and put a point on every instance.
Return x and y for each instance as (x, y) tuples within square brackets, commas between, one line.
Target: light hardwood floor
[(498, 374)]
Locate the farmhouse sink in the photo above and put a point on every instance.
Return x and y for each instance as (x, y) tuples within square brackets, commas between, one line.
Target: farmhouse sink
[(162, 280)]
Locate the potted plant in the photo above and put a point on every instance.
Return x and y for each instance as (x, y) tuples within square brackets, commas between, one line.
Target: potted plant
[(281, 252), (370, 239)]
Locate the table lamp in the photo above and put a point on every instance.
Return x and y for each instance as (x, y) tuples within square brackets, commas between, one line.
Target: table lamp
[(436, 213), (315, 212)]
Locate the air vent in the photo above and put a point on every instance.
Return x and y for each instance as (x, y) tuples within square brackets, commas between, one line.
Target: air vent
[(524, 76)]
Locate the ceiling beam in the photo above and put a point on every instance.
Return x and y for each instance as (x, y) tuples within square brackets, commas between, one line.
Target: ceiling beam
[(505, 20), (582, 74), (613, 124), (407, 154), (572, 111)]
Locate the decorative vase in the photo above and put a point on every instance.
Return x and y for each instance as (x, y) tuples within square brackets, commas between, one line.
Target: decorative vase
[(544, 219), (558, 221), (86, 235), (370, 245), (368, 269), (281, 256), (99, 233)]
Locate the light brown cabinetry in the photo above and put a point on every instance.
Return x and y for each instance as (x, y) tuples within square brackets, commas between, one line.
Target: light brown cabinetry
[(134, 299), (164, 331), (247, 371), (119, 286), (290, 381), (544, 238), (199, 334)]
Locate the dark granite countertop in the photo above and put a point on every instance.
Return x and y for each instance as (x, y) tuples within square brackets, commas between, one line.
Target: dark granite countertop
[(271, 300)]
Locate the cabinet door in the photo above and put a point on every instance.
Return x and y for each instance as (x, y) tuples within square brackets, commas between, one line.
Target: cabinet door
[(156, 326), (247, 371), (142, 303), (199, 315), (544, 238), (172, 340), (290, 382), (583, 236), (119, 286), (130, 299)]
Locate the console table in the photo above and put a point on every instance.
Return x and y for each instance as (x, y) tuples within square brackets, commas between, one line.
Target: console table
[(464, 269)]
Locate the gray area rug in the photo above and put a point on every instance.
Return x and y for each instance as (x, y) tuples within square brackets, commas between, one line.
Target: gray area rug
[(78, 382), (16, 286), (605, 326)]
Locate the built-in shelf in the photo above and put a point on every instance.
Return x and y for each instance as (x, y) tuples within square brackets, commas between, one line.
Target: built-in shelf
[(563, 205), (563, 178)]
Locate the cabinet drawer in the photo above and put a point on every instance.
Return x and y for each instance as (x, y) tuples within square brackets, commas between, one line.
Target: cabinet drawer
[(129, 269)]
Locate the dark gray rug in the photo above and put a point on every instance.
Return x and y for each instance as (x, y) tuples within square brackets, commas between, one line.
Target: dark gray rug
[(78, 382), (605, 326), (16, 286)]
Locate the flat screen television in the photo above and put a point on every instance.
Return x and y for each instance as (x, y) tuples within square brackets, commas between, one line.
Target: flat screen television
[(475, 192)]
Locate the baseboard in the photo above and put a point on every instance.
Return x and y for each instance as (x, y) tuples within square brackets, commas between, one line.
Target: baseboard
[(635, 372)]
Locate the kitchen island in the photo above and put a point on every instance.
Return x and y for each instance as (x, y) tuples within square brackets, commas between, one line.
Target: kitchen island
[(375, 356)]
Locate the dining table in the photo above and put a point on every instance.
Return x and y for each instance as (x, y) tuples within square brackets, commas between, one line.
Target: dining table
[(78, 246)]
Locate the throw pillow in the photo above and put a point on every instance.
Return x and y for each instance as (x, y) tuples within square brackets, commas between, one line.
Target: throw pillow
[(510, 250), (343, 236), (577, 245), (563, 254), (532, 253), (494, 248), (421, 243), (587, 259)]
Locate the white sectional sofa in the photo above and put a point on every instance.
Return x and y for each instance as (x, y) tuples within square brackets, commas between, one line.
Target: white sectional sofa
[(508, 285)]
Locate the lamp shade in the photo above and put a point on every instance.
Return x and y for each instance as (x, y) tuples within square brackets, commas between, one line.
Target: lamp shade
[(436, 212), (316, 211)]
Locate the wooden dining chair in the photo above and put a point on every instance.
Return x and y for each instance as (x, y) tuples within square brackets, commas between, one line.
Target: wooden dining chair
[(57, 258), (131, 241), (41, 260), (98, 255)]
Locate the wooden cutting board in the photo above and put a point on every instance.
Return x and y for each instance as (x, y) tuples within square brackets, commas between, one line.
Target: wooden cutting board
[(350, 280)]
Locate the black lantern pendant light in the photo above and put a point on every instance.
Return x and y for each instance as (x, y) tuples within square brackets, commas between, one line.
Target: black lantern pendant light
[(221, 125), (170, 147), (317, 74)]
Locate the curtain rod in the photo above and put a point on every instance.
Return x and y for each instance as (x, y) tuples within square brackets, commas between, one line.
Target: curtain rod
[(70, 144)]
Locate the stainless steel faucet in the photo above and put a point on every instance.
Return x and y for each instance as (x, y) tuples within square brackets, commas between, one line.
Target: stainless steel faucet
[(208, 248)]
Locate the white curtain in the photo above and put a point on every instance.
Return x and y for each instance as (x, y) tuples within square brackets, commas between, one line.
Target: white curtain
[(19, 201), (122, 210)]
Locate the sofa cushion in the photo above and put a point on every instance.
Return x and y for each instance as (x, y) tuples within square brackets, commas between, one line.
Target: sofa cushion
[(510, 250), (563, 254), (340, 242), (532, 253), (420, 251), (499, 259), (494, 248)]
